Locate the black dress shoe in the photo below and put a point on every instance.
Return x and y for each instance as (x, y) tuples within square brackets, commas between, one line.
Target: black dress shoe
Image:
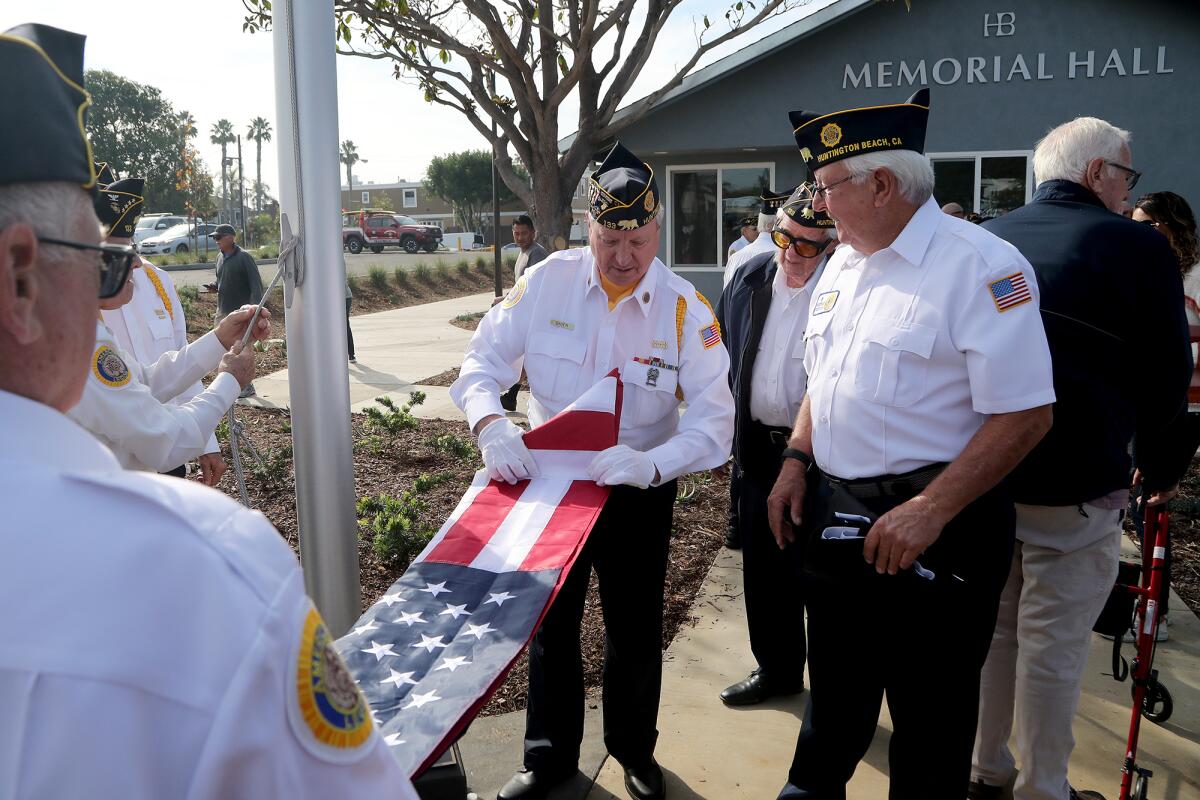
[(733, 539), (978, 790), (645, 782), (755, 689), (508, 400), (531, 785)]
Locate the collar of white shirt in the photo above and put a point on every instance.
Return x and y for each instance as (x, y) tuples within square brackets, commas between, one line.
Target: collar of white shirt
[(913, 242), (34, 433), (645, 290)]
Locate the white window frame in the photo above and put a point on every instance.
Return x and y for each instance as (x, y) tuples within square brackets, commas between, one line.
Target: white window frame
[(668, 204), (366, 199), (977, 156), (404, 194)]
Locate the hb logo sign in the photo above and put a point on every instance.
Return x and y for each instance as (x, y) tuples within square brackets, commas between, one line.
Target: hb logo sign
[(1005, 24)]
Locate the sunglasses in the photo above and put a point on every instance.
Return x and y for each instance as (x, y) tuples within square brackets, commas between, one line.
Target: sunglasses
[(805, 248), (115, 263), (1131, 175)]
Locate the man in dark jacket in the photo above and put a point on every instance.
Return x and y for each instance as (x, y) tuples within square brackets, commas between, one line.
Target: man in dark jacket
[(1110, 296), (238, 280), (763, 312)]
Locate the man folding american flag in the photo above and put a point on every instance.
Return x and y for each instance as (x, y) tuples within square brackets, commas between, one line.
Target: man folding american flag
[(431, 651)]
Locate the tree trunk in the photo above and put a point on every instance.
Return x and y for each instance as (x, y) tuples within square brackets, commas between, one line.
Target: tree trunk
[(225, 183), (258, 178)]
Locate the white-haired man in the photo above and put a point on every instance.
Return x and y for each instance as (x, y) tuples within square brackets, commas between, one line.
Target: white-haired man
[(581, 314), (929, 379), (1111, 295), (169, 617)]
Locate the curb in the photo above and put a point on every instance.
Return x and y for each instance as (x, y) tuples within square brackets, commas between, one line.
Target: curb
[(212, 266)]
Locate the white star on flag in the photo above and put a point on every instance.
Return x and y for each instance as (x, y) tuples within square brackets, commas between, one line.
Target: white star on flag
[(399, 678), (391, 599), (418, 700), (380, 650), (435, 588), (429, 642), (370, 626), (452, 663), (408, 618), (498, 599), (455, 611), (393, 739), (478, 630)]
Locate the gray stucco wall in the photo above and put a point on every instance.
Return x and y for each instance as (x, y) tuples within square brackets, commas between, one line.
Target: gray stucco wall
[(1158, 39)]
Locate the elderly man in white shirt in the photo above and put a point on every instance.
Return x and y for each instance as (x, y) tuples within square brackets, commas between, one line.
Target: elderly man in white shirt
[(929, 380)]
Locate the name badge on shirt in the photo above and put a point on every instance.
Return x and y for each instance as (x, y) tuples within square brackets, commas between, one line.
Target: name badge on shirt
[(161, 314), (825, 302)]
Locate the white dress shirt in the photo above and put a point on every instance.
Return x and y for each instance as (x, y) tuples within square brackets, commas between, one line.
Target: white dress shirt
[(557, 325), (153, 633), (761, 244), (126, 405), (778, 379), (908, 350), (151, 325)]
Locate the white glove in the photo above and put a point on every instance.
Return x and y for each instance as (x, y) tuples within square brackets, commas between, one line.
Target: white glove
[(504, 452), (622, 464)]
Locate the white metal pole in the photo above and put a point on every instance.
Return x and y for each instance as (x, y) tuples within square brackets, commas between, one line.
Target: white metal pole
[(306, 120)]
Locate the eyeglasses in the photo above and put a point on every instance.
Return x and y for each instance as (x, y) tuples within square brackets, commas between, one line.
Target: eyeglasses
[(115, 263), (823, 191), (1131, 175), (1149, 222), (805, 248)]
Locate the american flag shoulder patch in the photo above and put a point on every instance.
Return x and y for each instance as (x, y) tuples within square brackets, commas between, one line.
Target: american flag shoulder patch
[(710, 336), (1010, 292)]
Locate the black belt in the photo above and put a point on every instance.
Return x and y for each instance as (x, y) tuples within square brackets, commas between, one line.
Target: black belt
[(908, 484)]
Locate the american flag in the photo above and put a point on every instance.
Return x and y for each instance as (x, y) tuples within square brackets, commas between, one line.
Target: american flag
[(711, 336), (1010, 291), (429, 653)]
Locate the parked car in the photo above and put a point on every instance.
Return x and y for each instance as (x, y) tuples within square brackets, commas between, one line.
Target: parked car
[(181, 239), (379, 229), (462, 241), (510, 249), (154, 224)]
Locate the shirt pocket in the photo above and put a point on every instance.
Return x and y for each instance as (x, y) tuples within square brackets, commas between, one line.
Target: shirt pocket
[(553, 364), (816, 331), (649, 392), (161, 328), (893, 361)]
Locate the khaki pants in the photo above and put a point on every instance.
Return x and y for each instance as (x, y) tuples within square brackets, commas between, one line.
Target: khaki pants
[(1063, 568)]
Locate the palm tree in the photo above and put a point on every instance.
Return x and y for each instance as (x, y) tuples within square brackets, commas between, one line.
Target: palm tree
[(187, 126), (349, 156), (222, 134), (259, 131)]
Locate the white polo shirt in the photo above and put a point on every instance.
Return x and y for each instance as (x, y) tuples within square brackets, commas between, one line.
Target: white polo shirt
[(908, 350), (761, 244), (158, 642), (663, 338)]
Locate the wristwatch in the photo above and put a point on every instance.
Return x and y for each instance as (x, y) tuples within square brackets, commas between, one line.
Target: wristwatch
[(801, 456)]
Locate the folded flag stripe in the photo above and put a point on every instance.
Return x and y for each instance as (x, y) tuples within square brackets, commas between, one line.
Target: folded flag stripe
[(429, 653)]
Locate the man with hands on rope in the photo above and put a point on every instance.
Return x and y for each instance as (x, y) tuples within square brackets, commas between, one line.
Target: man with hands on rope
[(127, 405), (574, 319)]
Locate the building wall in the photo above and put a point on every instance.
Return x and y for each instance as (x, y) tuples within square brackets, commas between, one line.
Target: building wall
[(1136, 65)]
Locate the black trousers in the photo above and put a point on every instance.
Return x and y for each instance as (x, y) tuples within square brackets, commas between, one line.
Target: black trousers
[(774, 596), (628, 549), (349, 333), (920, 643), (735, 492)]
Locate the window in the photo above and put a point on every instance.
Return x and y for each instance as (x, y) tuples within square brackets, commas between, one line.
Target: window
[(410, 198), (705, 204), (990, 184), (366, 198)]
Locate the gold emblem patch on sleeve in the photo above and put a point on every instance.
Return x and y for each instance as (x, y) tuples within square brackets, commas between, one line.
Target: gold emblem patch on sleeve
[(330, 703), (109, 368), (514, 294)]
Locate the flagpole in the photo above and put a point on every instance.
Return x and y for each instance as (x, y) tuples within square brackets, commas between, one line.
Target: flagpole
[(318, 379)]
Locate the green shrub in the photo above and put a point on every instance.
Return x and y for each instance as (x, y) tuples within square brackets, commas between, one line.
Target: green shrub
[(394, 522), (401, 276), (377, 277), (352, 282), (455, 446), (464, 269), (188, 297), (483, 265), (443, 273), (423, 273), (393, 419)]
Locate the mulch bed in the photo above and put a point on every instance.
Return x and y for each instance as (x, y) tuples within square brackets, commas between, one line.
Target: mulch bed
[(441, 379), (391, 463)]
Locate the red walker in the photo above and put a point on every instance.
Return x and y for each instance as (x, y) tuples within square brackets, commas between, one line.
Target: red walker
[(1150, 698)]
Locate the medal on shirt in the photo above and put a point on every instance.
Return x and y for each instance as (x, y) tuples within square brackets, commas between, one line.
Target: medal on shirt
[(652, 376)]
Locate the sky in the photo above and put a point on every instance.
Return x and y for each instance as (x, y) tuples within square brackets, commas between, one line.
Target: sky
[(198, 56)]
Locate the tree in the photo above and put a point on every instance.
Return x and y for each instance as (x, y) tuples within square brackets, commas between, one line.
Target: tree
[(139, 133), (383, 201), (464, 180), (259, 131), (349, 156), (514, 63), (222, 134)]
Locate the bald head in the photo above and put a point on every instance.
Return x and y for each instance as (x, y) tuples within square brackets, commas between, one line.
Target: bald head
[(954, 210)]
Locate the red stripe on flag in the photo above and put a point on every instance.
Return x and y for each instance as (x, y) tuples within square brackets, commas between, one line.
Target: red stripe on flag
[(574, 430), (563, 534), (478, 523)]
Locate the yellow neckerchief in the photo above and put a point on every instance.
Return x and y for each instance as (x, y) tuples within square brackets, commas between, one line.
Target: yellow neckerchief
[(615, 292), (158, 287)]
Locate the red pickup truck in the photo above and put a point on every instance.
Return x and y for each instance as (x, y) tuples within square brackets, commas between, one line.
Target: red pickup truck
[(378, 229)]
